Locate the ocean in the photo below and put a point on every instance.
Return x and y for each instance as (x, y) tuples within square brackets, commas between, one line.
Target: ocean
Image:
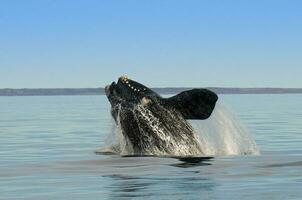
[(48, 143)]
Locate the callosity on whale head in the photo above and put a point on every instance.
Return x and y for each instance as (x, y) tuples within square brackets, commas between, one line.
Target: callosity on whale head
[(152, 125)]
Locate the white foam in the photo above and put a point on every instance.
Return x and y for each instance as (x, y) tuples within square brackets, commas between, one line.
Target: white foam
[(176, 145), (223, 134)]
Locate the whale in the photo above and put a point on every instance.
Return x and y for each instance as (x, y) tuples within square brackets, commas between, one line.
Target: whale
[(156, 126)]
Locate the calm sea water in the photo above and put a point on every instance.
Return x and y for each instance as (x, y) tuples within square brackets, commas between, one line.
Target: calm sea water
[(47, 152)]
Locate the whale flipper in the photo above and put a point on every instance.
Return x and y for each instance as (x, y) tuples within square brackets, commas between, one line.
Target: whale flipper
[(193, 104)]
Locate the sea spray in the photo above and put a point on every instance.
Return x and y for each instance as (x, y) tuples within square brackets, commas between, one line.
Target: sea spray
[(180, 145), (116, 142), (221, 134)]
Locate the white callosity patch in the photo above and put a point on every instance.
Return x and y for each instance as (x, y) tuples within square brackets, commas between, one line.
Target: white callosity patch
[(125, 80), (145, 101)]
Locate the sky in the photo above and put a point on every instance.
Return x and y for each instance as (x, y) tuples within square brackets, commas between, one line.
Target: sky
[(160, 43)]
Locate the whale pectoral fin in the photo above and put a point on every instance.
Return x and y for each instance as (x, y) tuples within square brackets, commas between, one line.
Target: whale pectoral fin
[(193, 104)]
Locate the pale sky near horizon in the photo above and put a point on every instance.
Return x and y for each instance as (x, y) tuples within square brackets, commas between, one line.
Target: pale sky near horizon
[(161, 43)]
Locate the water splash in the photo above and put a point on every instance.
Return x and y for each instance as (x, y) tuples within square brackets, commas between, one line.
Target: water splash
[(116, 142), (173, 133), (221, 134)]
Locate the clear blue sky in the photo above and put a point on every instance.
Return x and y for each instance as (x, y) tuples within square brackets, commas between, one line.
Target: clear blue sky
[(89, 43)]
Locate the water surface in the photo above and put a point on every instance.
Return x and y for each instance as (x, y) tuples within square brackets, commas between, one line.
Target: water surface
[(47, 152)]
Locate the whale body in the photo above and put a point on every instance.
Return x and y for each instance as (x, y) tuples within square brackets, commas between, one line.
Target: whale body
[(153, 125)]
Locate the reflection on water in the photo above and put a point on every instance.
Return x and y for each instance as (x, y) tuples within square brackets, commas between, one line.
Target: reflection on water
[(190, 186), (286, 164), (47, 152), (193, 162), (127, 186)]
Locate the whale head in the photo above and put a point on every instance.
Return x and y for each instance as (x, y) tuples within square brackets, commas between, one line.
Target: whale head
[(128, 91)]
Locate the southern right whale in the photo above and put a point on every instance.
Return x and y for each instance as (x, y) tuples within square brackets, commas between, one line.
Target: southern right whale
[(152, 125)]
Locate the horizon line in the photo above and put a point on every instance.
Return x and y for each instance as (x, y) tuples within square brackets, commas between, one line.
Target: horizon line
[(172, 87), (166, 90)]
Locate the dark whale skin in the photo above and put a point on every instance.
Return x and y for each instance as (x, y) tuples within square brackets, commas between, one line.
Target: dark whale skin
[(153, 125)]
